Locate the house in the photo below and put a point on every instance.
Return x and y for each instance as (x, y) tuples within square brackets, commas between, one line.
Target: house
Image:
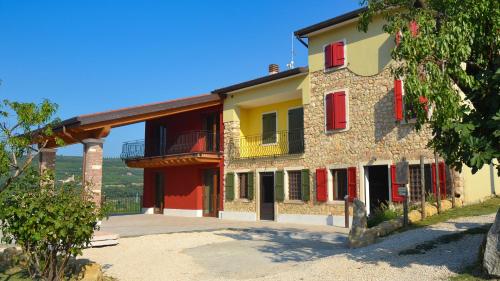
[(289, 146)]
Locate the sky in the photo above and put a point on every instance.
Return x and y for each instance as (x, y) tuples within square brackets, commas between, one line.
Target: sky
[(96, 55)]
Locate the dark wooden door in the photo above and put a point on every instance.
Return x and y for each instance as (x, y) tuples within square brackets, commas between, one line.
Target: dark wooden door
[(267, 196), (296, 130), (159, 193), (210, 192)]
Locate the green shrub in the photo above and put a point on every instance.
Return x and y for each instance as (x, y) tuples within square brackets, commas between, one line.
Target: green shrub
[(50, 223), (383, 213)]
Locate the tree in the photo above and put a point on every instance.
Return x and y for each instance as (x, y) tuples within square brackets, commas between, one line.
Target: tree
[(447, 53), (50, 223), (25, 128)]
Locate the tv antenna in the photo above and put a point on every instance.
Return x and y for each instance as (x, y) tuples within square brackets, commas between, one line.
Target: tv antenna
[(292, 63)]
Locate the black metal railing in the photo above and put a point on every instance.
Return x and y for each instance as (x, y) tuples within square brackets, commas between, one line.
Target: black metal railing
[(267, 145), (189, 142), (123, 205)]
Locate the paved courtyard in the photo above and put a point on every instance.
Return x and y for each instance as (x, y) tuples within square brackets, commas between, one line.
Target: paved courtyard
[(219, 250)]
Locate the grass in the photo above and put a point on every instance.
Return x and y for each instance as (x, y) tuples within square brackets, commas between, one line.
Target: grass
[(487, 207), (471, 273), (13, 274)]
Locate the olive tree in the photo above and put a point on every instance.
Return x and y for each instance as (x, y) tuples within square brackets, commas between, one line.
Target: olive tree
[(447, 53)]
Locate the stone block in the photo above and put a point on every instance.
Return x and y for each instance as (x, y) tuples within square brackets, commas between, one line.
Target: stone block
[(445, 205), (491, 258), (430, 210)]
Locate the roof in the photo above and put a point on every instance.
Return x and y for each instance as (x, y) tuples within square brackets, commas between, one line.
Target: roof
[(137, 111), (329, 23), (262, 80)]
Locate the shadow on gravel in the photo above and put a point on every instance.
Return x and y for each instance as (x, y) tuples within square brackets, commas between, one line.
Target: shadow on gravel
[(447, 248)]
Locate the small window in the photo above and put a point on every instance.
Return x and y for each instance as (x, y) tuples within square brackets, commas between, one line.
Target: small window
[(339, 179), (294, 185), (415, 182), (336, 111), (269, 128), (243, 184), (334, 55)]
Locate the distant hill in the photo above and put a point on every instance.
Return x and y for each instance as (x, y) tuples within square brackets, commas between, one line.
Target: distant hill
[(118, 179)]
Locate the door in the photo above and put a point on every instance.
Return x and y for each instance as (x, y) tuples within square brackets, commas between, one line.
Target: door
[(378, 186), (210, 192), (159, 193), (267, 196), (210, 132), (296, 130)]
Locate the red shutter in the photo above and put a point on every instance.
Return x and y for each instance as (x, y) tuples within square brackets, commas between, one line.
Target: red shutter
[(351, 183), (329, 112), (398, 99), (394, 186), (339, 121), (338, 53), (328, 56), (433, 169), (442, 179), (321, 185), (413, 28)]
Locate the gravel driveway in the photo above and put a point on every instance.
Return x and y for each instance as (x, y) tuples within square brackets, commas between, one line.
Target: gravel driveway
[(274, 255)]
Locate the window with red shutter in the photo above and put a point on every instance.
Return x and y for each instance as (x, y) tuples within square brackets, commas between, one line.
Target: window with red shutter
[(321, 185), (394, 186), (336, 113), (398, 100), (334, 55), (442, 179), (351, 183)]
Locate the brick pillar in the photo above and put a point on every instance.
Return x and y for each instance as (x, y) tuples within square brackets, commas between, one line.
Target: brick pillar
[(47, 159), (92, 166)]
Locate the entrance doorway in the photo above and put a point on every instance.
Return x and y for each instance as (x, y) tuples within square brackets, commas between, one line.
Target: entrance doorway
[(211, 190), (267, 196), (159, 193), (376, 186)]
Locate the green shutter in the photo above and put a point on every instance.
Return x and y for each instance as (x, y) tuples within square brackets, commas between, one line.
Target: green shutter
[(305, 185), (229, 187), (280, 186), (269, 128), (250, 185)]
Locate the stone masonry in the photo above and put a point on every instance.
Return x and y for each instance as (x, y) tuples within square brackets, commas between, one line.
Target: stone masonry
[(47, 159), (92, 166)]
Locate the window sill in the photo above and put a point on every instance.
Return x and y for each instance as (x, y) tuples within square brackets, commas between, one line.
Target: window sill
[(335, 202), (331, 132), (243, 200), (333, 69), (296, 202)]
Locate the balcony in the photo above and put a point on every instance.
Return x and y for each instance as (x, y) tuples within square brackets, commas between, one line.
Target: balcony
[(281, 143), (190, 148)]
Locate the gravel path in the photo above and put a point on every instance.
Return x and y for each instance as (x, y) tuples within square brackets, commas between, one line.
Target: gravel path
[(231, 255)]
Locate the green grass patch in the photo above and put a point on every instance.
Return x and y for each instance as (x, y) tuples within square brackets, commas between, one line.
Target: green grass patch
[(487, 207), (13, 274), (471, 273)]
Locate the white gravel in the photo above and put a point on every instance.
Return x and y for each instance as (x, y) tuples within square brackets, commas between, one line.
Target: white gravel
[(173, 256)]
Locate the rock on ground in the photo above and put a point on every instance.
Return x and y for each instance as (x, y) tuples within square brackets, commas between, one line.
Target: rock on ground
[(491, 258)]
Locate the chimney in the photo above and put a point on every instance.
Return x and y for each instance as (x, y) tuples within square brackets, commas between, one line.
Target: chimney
[(273, 69)]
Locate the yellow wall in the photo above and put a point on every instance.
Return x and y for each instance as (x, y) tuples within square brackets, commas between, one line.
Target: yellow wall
[(366, 53), (478, 186), (288, 88)]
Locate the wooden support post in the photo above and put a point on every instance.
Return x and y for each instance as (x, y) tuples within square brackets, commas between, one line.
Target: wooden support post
[(346, 210), (422, 180), (438, 188), (405, 211)]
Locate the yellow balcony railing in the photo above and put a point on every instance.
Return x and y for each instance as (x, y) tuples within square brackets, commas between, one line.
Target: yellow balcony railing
[(267, 145)]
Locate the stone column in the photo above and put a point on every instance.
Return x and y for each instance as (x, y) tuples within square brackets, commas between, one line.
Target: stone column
[(92, 166), (47, 159)]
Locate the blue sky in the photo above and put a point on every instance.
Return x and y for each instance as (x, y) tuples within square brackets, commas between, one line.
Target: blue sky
[(90, 56)]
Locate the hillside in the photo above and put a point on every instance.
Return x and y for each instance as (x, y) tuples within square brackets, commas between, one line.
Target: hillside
[(118, 179)]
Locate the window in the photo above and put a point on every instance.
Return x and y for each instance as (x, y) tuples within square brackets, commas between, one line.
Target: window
[(416, 182), (403, 109), (294, 185), (336, 111), (243, 184), (335, 55), (339, 179), (269, 128)]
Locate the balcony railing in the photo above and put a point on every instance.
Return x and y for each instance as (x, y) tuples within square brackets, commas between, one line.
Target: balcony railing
[(190, 142), (267, 145)]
